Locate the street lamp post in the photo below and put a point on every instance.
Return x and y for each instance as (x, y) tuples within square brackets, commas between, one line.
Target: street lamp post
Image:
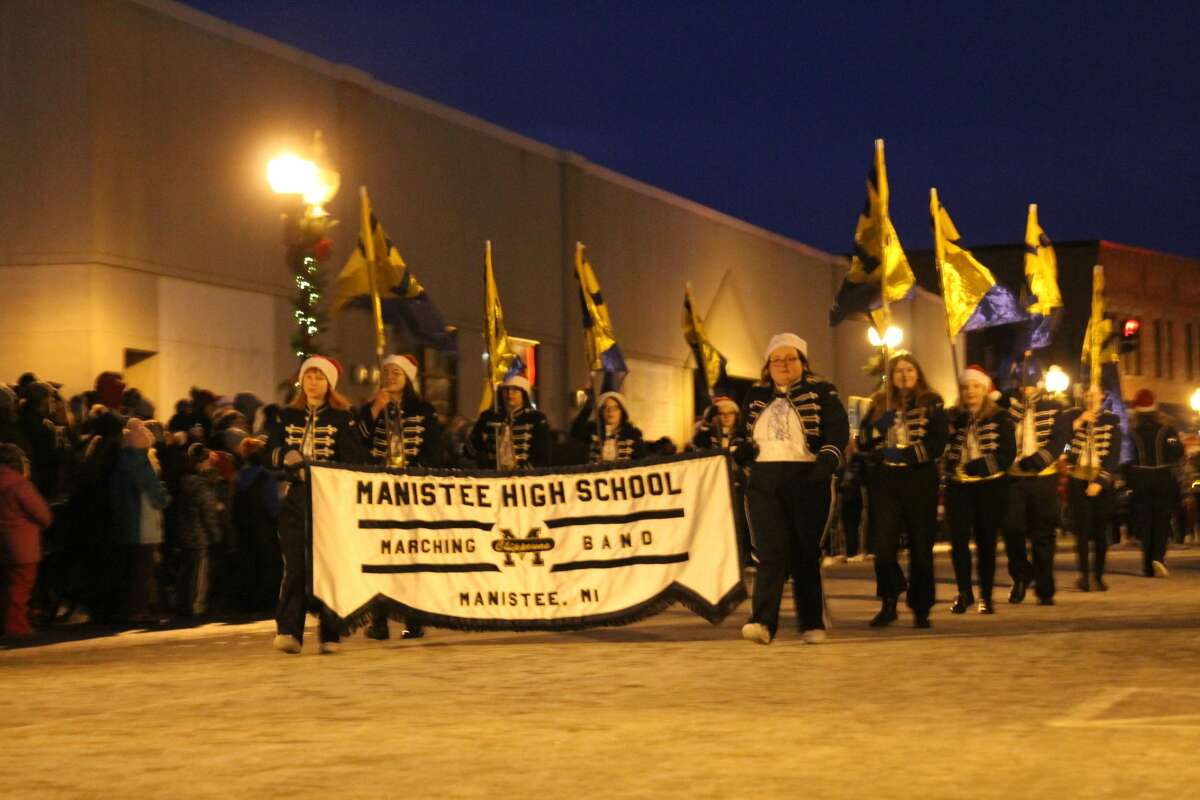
[(304, 235)]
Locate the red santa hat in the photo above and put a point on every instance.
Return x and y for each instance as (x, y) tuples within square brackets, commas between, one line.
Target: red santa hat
[(330, 368), (976, 374), (1145, 400), (407, 365)]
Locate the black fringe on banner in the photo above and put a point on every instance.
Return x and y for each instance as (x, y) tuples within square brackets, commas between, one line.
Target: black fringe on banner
[(675, 593)]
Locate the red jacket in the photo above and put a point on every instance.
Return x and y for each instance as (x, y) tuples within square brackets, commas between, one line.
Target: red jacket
[(23, 514)]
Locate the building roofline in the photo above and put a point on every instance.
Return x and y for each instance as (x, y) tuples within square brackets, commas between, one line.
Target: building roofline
[(350, 74)]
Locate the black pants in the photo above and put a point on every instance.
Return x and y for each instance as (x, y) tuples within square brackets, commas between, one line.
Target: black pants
[(788, 515), (903, 504), (851, 506), (975, 510), (1153, 493), (1032, 514), (297, 557), (1089, 517)]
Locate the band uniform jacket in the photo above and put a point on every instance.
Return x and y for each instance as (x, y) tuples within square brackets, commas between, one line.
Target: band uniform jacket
[(994, 436), (1105, 443), (415, 422), (1049, 429), (1156, 444), (531, 440), (926, 432), (331, 433), (822, 415)]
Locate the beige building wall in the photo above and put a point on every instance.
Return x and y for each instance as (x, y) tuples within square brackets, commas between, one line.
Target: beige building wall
[(134, 140)]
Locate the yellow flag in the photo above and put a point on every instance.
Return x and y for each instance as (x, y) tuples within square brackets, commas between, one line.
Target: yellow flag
[(391, 273), (964, 280), (707, 357), (499, 350), (598, 335), (1041, 267)]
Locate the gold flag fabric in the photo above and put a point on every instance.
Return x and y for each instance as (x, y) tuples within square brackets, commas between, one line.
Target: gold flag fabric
[(964, 280), (708, 358), (598, 335), (1041, 267), (499, 349)]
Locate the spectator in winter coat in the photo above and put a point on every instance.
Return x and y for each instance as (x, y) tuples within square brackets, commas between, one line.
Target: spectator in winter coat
[(199, 529), (23, 514), (138, 498), (10, 431), (48, 444), (256, 569)]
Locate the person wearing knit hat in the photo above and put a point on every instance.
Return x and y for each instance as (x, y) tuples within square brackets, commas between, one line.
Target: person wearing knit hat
[(797, 431), (198, 529), (1041, 434), (981, 447), (609, 434), (903, 434), (399, 430), (138, 498), (512, 435), (1093, 455), (720, 428), (316, 426), (1154, 493)]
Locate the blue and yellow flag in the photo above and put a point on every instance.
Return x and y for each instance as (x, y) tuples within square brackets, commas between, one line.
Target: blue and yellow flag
[(878, 259), (972, 297), (403, 300), (599, 340), (1101, 358), (500, 355), (1041, 267), (710, 364)]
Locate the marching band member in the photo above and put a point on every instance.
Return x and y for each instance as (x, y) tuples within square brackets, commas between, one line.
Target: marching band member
[(720, 428), (609, 435), (316, 426), (904, 433), (399, 430), (797, 429), (517, 437), (1041, 437), (981, 448), (1157, 451), (1095, 451)]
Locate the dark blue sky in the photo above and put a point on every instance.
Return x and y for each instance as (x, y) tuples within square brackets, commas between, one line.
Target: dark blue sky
[(768, 111)]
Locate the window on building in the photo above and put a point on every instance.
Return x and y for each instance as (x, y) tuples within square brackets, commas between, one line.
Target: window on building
[(1158, 348), (1169, 348), (1189, 351)]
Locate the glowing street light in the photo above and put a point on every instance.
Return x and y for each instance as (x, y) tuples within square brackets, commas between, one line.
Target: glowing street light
[(1057, 381), (1194, 402), (891, 337)]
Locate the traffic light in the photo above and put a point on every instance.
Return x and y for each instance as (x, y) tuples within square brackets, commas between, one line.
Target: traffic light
[(1131, 328)]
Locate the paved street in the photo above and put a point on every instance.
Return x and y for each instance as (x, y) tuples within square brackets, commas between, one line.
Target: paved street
[(1098, 696)]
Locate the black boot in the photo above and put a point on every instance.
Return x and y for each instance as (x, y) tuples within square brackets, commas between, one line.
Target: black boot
[(962, 603), (886, 615), (1018, 590)]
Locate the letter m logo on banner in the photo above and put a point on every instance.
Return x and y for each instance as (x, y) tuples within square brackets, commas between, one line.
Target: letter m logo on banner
[(509, 545)]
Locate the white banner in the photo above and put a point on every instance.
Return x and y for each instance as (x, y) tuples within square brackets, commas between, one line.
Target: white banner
[(547, 550)]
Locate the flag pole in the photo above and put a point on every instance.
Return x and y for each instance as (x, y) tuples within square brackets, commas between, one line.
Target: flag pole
[(368, 237), (939, 257), (883, 271), (592, 373), (1095, 343)]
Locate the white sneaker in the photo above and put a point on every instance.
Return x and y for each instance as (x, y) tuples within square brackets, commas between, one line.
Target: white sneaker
[(329, 648), (756, 632), (286, 644), (1160, 569), (814, 635)]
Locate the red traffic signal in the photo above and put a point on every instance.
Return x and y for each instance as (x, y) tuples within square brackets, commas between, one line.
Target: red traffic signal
[(1131, 328)]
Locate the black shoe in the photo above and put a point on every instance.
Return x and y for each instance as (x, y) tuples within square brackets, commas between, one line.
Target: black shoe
[(886, 616), (1101, 586), (1018, 591), (986, 607), (961, 604), (380, 632), (921, 619), (1045, 601), (1082, 584), (413, 632)]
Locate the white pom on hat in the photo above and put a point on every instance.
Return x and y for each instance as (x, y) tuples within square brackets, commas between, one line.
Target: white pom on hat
[(407, 365), (786, 340), (328, 368)]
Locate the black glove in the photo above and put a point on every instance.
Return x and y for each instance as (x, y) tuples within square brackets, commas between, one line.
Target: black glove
[(886, 421), (976, 468), (744, 452), (1031, 463)]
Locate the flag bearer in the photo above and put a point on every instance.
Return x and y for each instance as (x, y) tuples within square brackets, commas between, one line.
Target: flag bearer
[(981, 448), (1041, 437), (904, 433), (797, 431), (517, 437), (1157, 451), (609, 434), (316, 426), (399, 430), (1095, 451)]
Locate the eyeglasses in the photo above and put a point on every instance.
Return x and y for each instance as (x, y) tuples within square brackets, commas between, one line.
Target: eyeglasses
[(783, 361)]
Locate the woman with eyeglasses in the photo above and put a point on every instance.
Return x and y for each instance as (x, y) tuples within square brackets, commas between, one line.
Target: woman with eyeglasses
[(796, 437), (903, 433)]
